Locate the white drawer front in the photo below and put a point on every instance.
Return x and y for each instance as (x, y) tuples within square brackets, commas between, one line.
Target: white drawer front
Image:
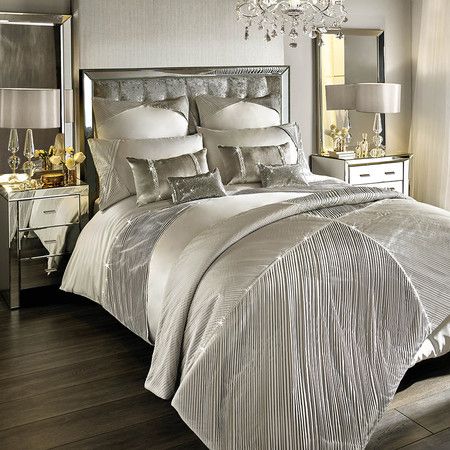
[(376, 173), (55, 212), (392, 186)]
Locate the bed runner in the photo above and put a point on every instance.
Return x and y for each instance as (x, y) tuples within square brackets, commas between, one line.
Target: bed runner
[(127, 277)]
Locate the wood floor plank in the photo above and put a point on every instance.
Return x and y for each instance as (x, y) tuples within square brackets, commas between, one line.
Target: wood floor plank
[(439, 441), (420, 390), (75, 398), (19, 327), (54, 339), (83, 350), (432, 412), (394, 431), (86, 423), (24, 335), (54, 381), (37, 383), (188, 445), (49, 301), (43, 312), (3, 307), (162, 433)]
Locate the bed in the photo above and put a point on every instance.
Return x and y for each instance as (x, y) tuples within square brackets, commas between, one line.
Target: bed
[(278, 315)]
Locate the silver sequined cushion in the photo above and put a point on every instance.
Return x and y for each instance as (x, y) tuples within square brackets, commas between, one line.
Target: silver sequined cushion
[(242, 163), (151, 177), (188, 189), (288, 175)]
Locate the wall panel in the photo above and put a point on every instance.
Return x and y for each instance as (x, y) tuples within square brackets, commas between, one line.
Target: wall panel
[(167, 33)]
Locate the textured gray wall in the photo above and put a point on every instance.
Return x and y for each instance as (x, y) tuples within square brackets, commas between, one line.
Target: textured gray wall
[(167, 33)]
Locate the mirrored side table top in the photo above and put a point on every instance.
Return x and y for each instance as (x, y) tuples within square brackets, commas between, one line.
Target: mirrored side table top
[(39, 229)]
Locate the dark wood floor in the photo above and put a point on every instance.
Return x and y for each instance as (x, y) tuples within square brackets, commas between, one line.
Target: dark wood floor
[(72, 377)]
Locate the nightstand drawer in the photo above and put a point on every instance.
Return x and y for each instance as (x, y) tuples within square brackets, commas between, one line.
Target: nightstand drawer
[(50, 212), (38, 272), (392, 186), (48, 242), (376, 173)]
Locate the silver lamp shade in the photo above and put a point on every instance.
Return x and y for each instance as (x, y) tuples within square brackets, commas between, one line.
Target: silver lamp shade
[(378, 98), (30, 108), (384, 98)]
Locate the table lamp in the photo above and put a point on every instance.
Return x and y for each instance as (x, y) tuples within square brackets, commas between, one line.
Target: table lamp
[(378, 98), (342, 97), (27, 108)]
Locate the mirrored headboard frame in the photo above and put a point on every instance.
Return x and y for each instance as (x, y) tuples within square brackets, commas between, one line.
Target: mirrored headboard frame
[(161, 84), (381, 76)]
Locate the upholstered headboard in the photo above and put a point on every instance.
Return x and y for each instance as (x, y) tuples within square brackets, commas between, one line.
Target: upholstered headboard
[(162, 84)]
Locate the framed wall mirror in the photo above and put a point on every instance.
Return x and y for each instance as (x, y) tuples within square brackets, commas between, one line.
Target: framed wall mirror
[(358, 57), (36, 53)]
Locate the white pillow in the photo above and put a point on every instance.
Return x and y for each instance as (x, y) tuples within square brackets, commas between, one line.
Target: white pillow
[(135, 120), (256, 137), (220, 113), (114, 173)]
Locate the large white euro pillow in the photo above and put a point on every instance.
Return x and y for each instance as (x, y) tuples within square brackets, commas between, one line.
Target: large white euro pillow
[(253, 137), (114, 173), (220, 113), (137, 120)]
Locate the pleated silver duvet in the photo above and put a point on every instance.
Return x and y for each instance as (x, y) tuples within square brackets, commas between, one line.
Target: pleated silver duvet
[(290, 326)]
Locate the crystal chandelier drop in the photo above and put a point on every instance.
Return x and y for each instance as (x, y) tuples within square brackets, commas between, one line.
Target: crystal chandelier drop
[(274, 17)]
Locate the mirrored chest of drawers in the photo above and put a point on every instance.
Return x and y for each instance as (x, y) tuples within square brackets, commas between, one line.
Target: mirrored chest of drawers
[(390, 172), (39, 229)]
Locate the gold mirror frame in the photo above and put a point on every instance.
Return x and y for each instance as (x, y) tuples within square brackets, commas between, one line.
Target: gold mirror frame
[(377, 33)]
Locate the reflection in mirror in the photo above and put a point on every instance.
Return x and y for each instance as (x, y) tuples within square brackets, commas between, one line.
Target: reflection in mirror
[(35, 51), (358, 57)]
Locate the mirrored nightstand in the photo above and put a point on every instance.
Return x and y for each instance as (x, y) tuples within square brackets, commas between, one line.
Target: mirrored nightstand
[(39, 229), (390, 172)]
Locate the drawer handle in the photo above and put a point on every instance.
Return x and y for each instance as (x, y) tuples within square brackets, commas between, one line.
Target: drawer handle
[(364, 175), (389, 173), (50, 211), (50, 271), (53, 241)]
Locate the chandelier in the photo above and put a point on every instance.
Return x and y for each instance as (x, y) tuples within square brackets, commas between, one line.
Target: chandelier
[(310, 17)]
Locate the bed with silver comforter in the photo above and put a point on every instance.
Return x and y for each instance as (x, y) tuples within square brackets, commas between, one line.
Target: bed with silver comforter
[(279, 321)]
